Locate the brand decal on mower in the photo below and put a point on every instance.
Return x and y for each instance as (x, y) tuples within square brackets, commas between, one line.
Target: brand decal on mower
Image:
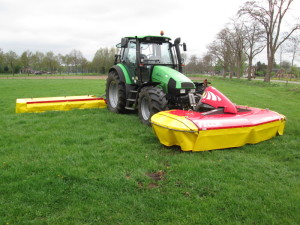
[(211, 96), (208, 124)]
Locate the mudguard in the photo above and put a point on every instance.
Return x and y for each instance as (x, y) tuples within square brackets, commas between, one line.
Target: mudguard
[(122, 72)]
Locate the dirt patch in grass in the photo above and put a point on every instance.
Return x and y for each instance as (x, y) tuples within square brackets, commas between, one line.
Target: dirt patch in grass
[(159, 175)]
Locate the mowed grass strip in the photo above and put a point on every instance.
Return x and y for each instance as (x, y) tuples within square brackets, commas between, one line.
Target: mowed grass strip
[(96, 167)]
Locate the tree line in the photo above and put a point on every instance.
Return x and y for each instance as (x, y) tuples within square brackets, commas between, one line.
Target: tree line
[(38, 62), (257, 26)]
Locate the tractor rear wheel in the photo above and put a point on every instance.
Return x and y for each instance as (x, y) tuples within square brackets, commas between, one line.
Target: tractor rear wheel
[(151, 100), (115, 93)]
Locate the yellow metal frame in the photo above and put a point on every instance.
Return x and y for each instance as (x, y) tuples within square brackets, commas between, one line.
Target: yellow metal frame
[(36, 105)]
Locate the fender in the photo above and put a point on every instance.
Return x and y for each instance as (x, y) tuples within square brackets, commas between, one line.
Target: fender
[(122, 72)]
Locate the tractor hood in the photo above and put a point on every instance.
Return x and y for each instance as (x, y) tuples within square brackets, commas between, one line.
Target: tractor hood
[(170, 78)]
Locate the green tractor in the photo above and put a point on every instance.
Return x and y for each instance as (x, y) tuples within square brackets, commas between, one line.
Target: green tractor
[(147, 77)]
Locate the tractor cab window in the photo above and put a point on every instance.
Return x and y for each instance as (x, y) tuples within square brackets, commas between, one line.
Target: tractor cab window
[(156, 53), (130, 52)]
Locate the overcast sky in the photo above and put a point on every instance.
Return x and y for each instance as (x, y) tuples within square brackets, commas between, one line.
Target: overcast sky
[(87, 25)]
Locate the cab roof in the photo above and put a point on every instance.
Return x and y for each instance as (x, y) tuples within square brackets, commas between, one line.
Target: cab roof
[(150, 37)]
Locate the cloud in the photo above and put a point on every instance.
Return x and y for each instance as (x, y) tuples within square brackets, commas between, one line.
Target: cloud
[(87, 25)]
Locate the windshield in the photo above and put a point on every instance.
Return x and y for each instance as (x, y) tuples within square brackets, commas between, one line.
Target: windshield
[(156, 53)]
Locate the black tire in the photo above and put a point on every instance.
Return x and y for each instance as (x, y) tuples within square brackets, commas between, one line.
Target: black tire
[(151, 100), (115, 93)]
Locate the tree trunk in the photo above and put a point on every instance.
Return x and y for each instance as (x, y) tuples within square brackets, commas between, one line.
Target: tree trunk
[(293, 58), (269, 69), (249, 69), (224, 70)]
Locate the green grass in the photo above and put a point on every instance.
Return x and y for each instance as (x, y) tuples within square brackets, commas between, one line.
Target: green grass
[(92, 166)]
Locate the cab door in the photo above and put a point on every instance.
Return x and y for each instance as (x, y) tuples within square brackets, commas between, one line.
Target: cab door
[(129, 60)]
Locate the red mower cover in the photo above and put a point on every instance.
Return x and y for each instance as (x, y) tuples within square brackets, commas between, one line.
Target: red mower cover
[(215, 98)]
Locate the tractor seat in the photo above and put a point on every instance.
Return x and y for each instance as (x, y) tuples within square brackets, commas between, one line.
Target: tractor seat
[(143, 56)]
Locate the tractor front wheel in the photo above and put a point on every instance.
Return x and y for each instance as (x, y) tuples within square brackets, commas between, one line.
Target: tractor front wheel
[(151, 100), (115, 93)]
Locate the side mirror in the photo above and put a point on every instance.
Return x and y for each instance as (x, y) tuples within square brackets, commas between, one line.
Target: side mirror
[(117, 58), (177, 41), (124, 42), (184, 46)]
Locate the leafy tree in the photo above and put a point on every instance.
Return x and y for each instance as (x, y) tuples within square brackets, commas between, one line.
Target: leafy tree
[(12, 61), (50, 61), (2, 57), (103, 60), (261, 69), (26, 60), (67, 61), (60, 62), (38, 61), (295, 71)]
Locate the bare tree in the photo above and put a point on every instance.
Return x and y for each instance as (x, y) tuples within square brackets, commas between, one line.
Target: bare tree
[(75, 56), (294, 47), (191, 67), (253, 43), (208, 61), (220, 48), (236, 42), (270, 14)]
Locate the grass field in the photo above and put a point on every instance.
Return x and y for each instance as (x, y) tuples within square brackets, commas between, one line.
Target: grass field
[(95, 167), (9, 75)]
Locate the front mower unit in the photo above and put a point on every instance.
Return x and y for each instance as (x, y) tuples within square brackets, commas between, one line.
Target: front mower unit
[(193, 131), (226, 126)]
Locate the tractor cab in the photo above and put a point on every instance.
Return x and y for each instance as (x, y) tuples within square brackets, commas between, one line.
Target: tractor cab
[(139, 54)]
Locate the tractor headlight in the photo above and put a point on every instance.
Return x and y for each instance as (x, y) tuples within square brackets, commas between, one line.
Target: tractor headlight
[(182, 91)]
